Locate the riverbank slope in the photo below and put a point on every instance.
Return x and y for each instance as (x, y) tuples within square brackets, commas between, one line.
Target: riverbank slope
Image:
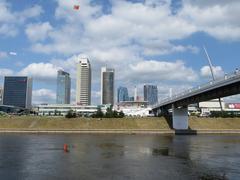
[(149, 124)]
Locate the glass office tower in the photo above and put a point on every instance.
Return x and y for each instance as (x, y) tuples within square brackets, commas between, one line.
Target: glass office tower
[(63, 87), (150, 94), (122, 94), (107, 86), (17, 91)]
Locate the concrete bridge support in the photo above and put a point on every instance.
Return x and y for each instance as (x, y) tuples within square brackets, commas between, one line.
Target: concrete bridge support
[(180, 117)]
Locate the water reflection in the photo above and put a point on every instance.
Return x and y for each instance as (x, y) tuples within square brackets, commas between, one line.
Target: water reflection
[(119, 157)]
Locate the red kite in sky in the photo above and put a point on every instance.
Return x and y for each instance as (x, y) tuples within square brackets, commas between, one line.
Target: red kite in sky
[(76, 7)]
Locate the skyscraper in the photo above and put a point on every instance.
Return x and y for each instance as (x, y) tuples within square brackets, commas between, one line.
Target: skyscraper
[(1, 95), (150, 94), (107, 86), (63, 87), (122, 94), (83, 90), (17, 91)]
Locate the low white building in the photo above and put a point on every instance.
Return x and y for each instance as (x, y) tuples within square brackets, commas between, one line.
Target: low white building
[(213, 105), (139, 112), (63, 109)]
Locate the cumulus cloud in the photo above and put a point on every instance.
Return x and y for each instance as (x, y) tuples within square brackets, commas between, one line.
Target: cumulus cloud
[(11, 20), (38, 31), (219, 19), (150, 25), (6, 72), (129, 25), (41, 96), (162, 70), (217, 71), (40, 71)]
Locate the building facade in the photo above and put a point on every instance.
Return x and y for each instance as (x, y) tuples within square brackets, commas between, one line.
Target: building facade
[(122, 94), (63, 109), (107, 86), (17, 91), (83, 84), (63, 87), (150, 94), (1, 95)]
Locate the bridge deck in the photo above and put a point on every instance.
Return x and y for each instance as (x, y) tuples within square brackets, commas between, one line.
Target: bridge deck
[(210, 86)]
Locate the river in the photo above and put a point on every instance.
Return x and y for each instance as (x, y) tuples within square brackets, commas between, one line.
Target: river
[(116, 156)]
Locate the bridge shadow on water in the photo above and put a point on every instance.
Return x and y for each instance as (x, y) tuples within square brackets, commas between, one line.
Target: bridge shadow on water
[(188, 131)]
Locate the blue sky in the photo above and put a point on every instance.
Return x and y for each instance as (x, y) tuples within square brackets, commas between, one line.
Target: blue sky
[(152, 41)]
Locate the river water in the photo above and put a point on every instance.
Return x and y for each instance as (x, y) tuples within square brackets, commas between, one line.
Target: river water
[(115, 156)]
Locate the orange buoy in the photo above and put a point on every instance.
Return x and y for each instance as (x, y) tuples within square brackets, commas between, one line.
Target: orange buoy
[(65, 147)]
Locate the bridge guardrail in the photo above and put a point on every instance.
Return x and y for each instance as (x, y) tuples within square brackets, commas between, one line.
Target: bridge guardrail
[(193, 90)]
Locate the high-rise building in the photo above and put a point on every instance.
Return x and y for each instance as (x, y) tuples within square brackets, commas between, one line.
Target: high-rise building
[(18, 91), (107, 86), (83, 90), (122, 94), (131, 98), (63, 87), (1, 95), (150, 94), (135, 94)]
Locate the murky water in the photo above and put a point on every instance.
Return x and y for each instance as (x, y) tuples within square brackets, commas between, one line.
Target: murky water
[(99, 156)]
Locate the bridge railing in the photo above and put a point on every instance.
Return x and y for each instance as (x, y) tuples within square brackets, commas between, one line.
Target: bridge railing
[(201, 87)]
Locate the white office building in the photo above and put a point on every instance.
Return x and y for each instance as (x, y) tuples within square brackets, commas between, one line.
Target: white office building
[(83, 89)]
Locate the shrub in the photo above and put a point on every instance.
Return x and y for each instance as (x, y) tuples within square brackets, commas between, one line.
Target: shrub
[(109, 114), (71, 114)]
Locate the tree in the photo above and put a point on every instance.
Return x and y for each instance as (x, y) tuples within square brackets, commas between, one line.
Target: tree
[(98, 114), (121, 114), (109, 113), (115, 114), (71, 114)]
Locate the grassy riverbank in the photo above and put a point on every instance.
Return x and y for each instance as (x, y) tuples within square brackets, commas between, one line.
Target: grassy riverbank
[(150, 123)]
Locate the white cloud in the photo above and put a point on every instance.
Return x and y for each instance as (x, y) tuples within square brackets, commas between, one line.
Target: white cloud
[(217, 71), (162, 70), (11, 20), (6, 72), (44, 96), (129, 24), (219, 19), (41, 71), (13, 53), (38, 31)]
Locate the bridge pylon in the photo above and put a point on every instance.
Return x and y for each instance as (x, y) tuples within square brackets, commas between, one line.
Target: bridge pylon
[(180, 117)]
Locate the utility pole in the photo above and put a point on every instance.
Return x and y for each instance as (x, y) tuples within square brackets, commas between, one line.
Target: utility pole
[(211, 69)]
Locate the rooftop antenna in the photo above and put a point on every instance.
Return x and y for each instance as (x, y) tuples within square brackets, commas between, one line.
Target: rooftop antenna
[(211, 69)]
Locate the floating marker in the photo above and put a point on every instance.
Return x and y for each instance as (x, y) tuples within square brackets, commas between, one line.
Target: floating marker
[(65, 148)]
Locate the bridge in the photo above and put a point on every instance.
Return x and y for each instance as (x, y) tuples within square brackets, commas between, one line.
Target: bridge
[(219, 88)]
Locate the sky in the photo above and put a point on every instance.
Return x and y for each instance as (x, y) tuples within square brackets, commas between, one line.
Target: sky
[(156, 42)]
